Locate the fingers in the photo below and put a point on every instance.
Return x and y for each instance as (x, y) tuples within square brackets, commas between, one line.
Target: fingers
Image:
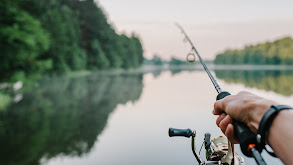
[(230, 134), (224, 123), (220, 105), (220, 118), (233, 105), (230, 131), (218, 108)]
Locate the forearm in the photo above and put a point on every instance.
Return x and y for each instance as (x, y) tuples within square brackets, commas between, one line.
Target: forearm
[(281, 135)]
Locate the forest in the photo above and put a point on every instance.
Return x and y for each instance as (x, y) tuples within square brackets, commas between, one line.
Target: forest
[(156, 60), (60, 36), (279, 52)]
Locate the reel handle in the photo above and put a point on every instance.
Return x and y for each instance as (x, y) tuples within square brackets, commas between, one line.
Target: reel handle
[(244, 135), (180, 132)]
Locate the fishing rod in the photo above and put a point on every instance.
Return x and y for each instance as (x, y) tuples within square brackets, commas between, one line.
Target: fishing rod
[(246, 138)]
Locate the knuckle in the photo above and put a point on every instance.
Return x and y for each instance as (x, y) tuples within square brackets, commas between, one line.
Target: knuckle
[(218, 122), (221, 125), (216, 104)]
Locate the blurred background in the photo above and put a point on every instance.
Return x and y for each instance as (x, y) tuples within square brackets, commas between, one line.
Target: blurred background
[(213, 25), (100, 82)]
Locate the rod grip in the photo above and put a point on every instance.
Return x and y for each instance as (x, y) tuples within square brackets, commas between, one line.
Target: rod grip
[(222, 95), (244, 135)]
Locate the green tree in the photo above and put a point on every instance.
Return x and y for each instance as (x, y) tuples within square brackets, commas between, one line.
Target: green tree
[(22, 41), (64, 29), (277, 52), (97, 58), (175, 61), (60, 36)]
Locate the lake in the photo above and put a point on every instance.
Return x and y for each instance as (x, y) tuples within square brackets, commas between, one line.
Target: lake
[(123, 117)]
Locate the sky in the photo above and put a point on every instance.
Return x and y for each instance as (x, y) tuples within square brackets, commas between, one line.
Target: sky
[(213, 25)]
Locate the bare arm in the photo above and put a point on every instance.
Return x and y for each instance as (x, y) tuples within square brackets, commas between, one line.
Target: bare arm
[(281, 135), (249, 109)]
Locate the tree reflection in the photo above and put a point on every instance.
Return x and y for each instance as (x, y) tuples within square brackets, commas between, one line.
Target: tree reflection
[(279, 81), (62, 116)]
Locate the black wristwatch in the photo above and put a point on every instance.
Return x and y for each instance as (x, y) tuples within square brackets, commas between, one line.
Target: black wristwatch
[(265, 125)]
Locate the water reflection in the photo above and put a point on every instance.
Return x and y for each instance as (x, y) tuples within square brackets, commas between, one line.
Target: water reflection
[(62, 116), (278, 81), (59, 119)]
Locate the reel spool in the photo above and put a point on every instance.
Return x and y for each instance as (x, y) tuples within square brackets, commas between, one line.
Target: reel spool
[(219, 148)]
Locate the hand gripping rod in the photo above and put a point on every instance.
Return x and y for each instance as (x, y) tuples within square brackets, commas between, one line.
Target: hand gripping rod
[(245, 136)]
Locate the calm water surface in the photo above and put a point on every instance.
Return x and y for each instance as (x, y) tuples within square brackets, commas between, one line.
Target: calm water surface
[(113, 119)]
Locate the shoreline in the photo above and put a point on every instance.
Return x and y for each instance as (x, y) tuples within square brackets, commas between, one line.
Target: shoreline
[(219, 67)]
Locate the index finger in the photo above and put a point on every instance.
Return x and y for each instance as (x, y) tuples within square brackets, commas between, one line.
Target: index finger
[(218, 107), (221, 105)]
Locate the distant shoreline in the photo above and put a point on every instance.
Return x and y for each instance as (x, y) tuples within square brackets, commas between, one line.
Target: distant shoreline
[(191, 67), (217, 67)]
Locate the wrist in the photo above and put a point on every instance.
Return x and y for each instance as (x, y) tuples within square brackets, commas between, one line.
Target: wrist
[(283, 115), (266, 122), (257, 111)]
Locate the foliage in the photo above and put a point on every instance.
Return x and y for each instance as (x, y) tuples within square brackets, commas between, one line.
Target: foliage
[(131, 48), (40, 36), (22, 41), (175, 61), (5, 101), (277, 52), (97, 59), (156, 60)]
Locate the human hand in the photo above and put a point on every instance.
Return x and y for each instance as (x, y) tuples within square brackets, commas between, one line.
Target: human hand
[(244, 107)]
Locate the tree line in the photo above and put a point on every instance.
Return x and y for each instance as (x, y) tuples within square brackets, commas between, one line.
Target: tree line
[(279, 52), (57, 36), (157, 60)]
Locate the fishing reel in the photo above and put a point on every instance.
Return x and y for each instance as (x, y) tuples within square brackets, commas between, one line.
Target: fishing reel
[(218, 150)]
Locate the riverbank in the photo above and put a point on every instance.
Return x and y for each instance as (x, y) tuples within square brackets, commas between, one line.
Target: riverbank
[(148, 68), (8, 96)]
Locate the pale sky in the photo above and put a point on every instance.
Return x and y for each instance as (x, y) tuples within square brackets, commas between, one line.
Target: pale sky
[(213, 25)]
